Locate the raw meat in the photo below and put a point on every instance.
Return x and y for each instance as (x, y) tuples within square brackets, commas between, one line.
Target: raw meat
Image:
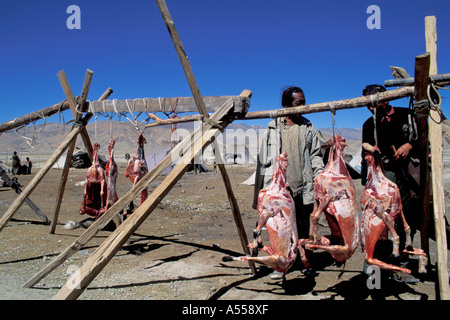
[(334, 192), (94, 199), (137, 166), (111, 174), (277, 213), (381, 203)]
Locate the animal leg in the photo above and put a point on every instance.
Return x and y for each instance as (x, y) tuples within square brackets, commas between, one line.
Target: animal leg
[(423, 259), (301, 250), (257, 240), (82, 209), (395, 238), (275, 262), (340, 252), (407, 228), (267, 249), (371, 239), (319, 207)]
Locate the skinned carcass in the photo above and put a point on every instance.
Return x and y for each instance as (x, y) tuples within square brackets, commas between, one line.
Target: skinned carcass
[(94, 198), (137, 166), (111, 174), (381, 203), (335, 196), (277, 213)]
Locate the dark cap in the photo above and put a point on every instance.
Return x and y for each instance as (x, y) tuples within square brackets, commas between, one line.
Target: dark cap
[(372, 89)]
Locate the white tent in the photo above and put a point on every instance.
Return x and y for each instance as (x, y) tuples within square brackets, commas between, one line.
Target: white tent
[(155, 155), (251, 180), (356, 160), (240, 155), (60, 163)]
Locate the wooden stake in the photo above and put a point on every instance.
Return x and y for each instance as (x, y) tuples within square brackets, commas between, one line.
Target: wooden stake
[(104, 253), (437, 168), (422, 67)]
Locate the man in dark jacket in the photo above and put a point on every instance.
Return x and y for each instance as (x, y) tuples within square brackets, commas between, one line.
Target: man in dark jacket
[(393, 131)]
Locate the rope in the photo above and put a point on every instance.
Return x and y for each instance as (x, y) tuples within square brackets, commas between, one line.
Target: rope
[(435, 102), (431, 102), (333, 113)]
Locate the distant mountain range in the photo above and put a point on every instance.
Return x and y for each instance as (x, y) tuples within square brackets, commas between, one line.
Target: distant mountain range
[(44, 139)]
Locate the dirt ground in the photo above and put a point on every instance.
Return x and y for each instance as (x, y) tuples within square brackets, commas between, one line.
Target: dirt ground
[(177, 252)]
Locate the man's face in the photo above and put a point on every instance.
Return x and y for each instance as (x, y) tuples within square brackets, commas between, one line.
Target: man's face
[(381, 107), (298, 99)]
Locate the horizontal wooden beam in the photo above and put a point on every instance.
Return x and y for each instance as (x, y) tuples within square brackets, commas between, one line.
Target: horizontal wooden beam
[(336, 105), (181, 104), (440, 80), (311, 108), (167, 105), (34, 116)]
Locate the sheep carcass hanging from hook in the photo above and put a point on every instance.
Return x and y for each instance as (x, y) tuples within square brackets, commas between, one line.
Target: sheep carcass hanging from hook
[(137, 166), (94, 199)]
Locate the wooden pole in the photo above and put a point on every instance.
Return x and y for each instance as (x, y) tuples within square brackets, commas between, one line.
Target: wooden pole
[(42, 172), (65, 173), (311, 108), (202, 110), (182, 56), (234, 206), (421, 80), (105, 252), (437, 168), (77, 114)]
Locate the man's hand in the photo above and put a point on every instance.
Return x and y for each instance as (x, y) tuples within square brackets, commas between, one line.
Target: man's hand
[(403, 151)]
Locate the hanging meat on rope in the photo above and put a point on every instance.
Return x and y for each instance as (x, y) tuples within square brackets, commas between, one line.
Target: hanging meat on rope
[(381, 204), (137, 166), (277, 213), (334, 192), (94, 197)]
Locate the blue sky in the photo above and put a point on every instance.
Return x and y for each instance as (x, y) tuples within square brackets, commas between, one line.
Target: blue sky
[(324, 47)]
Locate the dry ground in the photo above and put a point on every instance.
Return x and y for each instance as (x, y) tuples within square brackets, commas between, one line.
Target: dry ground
[(176, 253)]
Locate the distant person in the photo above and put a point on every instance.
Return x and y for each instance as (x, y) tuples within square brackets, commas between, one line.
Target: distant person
[(16, 185), (15, 163), (215, 168), (29, 165)]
